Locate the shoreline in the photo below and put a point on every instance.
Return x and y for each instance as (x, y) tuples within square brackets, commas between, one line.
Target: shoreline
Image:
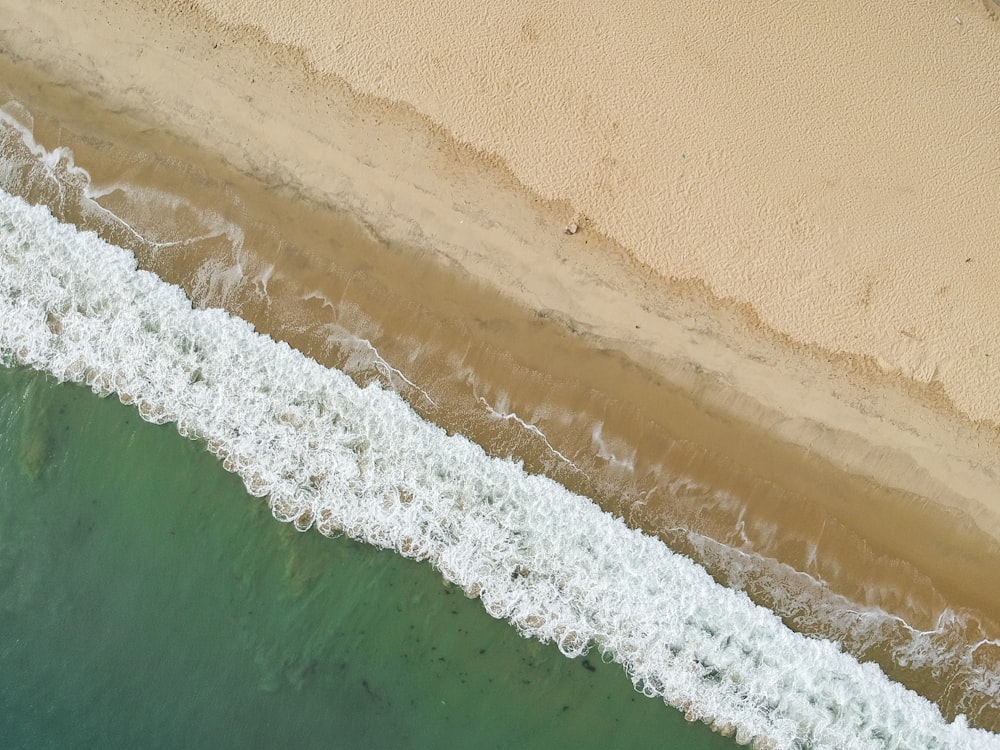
[(775, 404)]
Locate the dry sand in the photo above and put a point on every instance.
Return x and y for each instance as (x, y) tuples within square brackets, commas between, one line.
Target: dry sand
[(765, 159)]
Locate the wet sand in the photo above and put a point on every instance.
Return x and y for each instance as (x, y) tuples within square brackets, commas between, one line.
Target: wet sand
[(863, 481)]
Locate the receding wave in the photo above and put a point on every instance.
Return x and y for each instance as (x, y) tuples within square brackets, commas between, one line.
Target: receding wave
[(359, 461)]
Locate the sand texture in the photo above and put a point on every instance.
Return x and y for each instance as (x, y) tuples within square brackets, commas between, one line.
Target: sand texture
[(834, 165)]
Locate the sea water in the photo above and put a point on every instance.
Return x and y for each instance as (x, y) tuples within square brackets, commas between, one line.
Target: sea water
[(358, 462)]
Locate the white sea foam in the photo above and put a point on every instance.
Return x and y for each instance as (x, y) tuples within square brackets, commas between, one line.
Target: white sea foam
[(948, 648), (500, 411), (359, 461)]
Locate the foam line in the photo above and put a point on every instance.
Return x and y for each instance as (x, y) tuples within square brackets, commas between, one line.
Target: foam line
[(386, 369), (512, 416)]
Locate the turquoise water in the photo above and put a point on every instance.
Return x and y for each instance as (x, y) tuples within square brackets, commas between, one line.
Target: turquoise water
[(148, 601)]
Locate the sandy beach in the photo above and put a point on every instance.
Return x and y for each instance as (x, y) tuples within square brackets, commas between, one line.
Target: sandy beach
[(781, 285), (832, 167)]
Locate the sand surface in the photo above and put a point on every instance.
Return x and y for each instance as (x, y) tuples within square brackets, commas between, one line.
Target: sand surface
[(482, 176), (834, 165)]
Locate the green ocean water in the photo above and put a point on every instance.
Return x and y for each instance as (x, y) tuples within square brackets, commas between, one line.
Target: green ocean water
[(146, 600)]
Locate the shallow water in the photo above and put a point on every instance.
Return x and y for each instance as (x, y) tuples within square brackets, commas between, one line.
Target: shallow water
[(148, 601)]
